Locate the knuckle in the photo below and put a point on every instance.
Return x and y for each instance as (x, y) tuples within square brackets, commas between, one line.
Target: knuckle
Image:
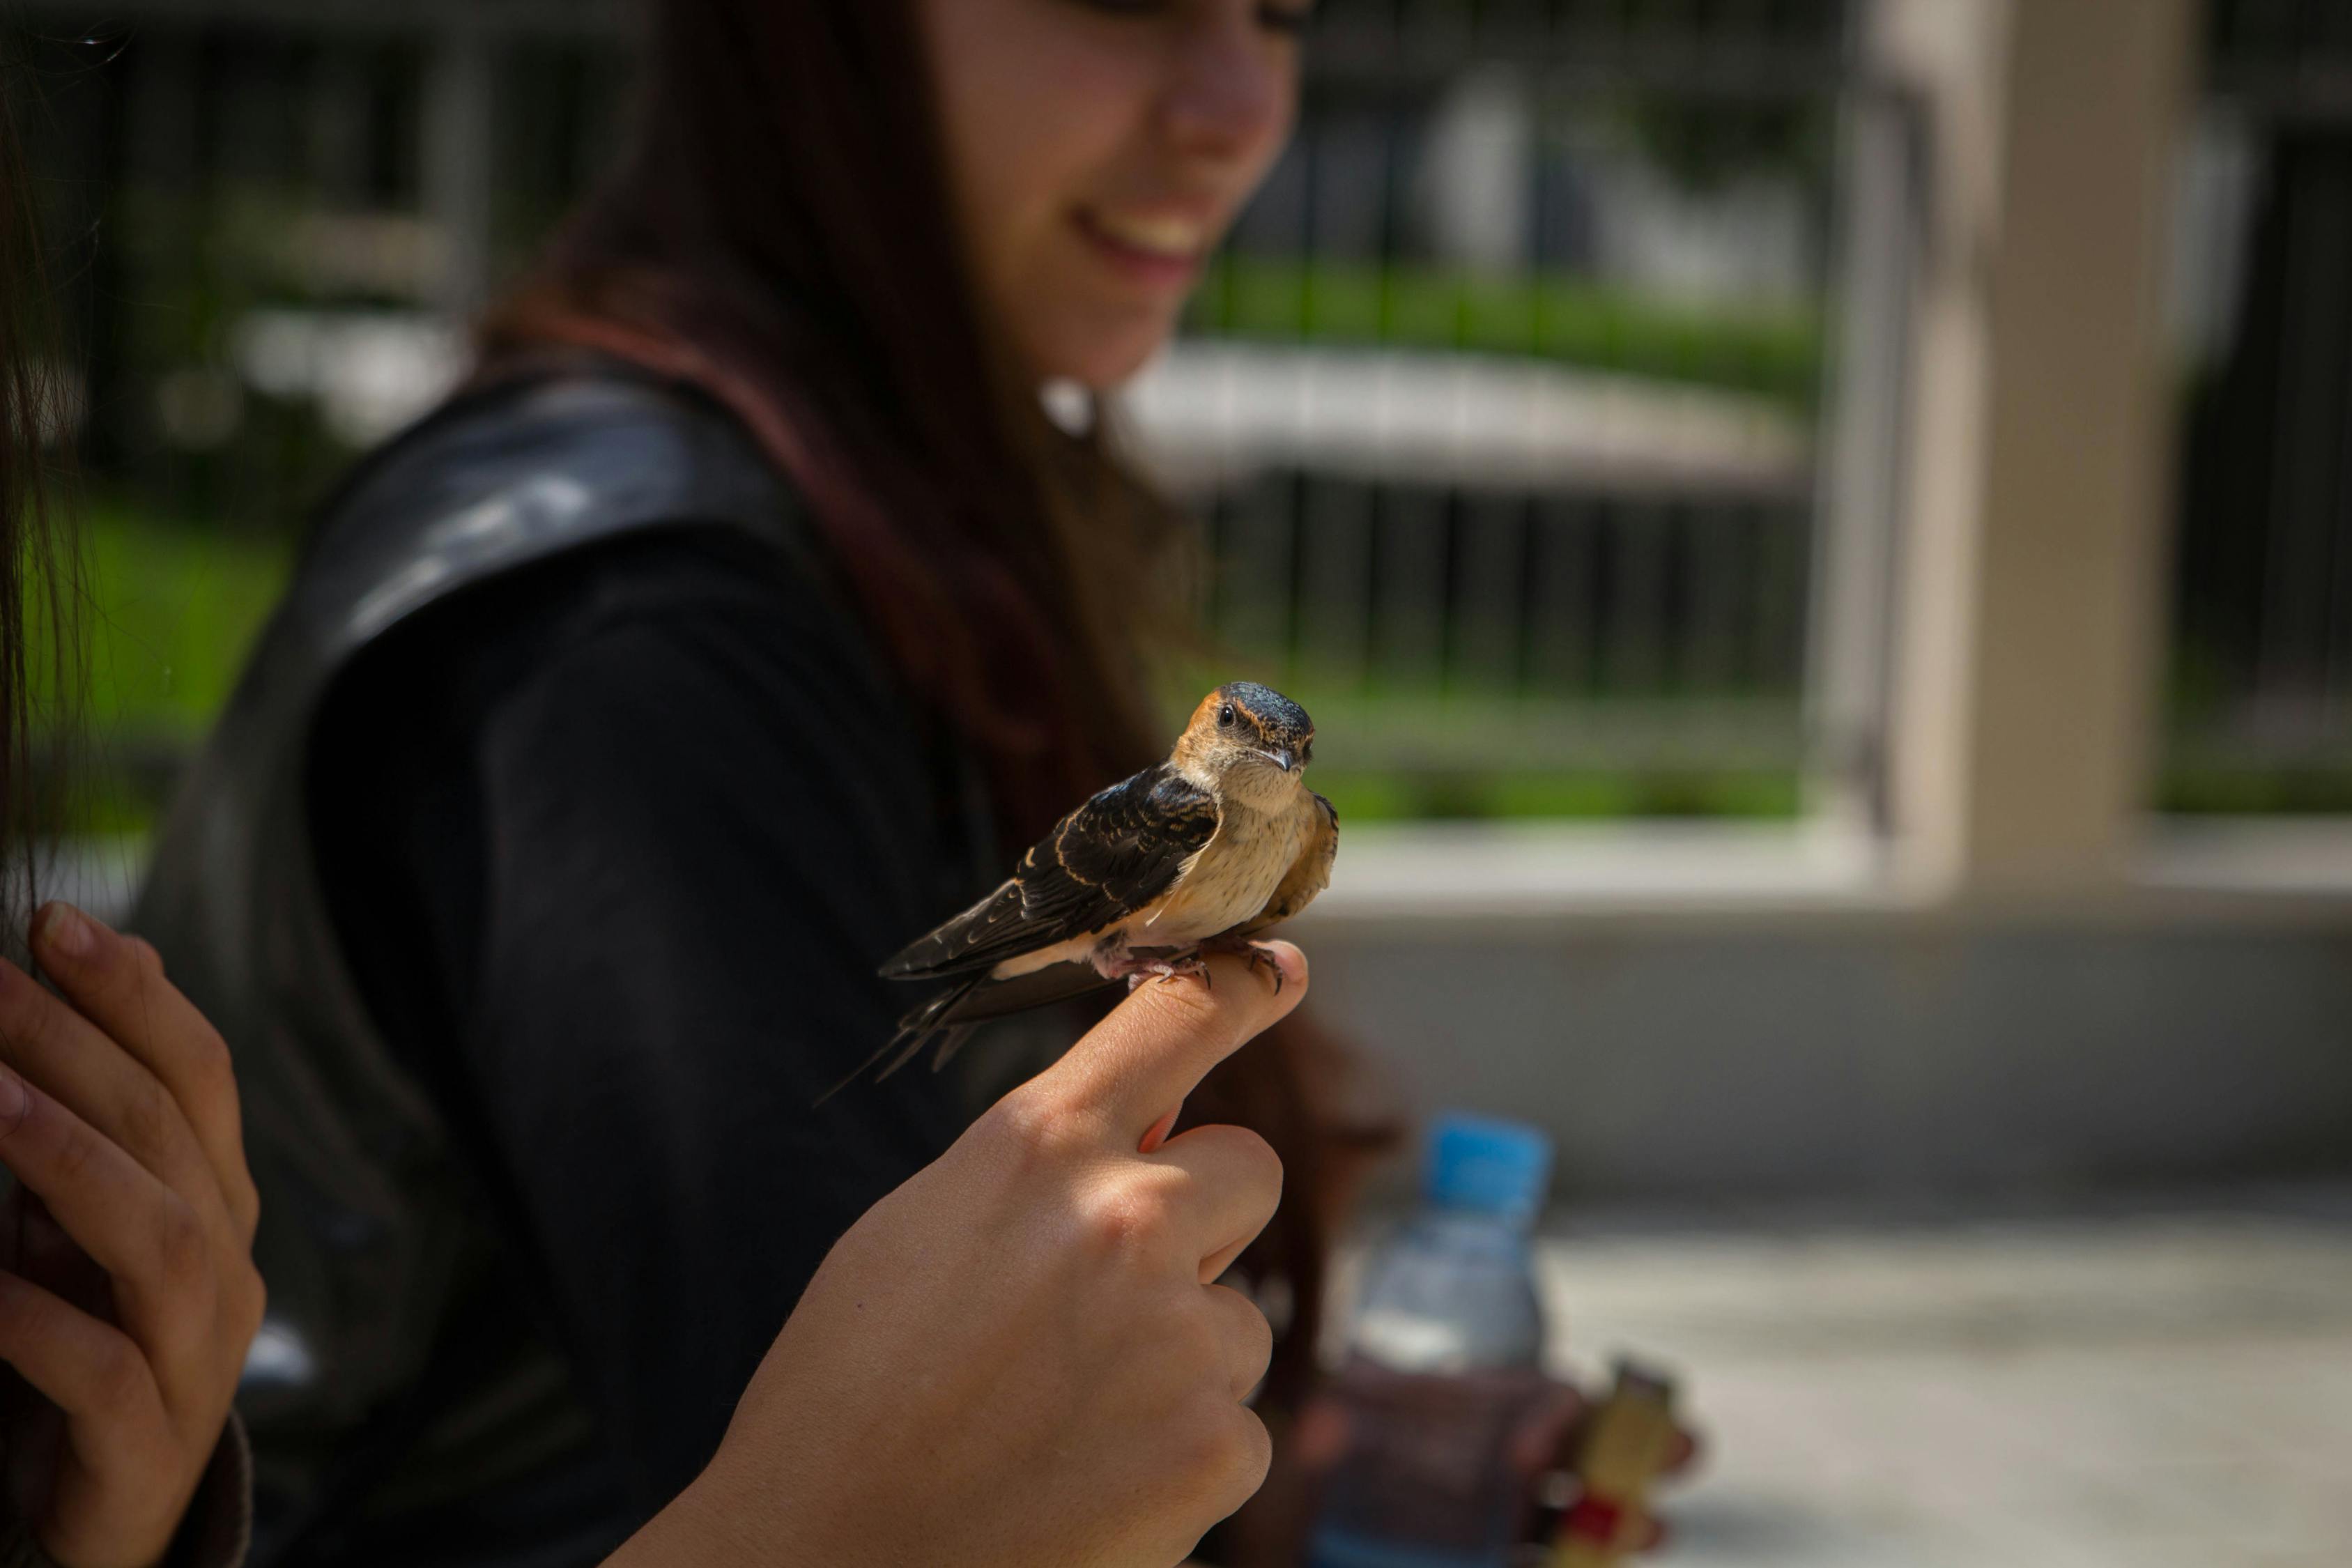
[(146, 1116), (1260, 1354), (182, 1249), (1198, 1343), (252, 1301), (211, 1063), (1261, 1166), (1222, 1450), (1254, 1457), (1232, 1342), (1251, 1327), (1201, 1441), (118, 975), (119, 1377), (243, 1201), (1022, 1116), (1242, 1166), (28, 1024), (1037, 1125), (1121, 1219), (75, 1149)]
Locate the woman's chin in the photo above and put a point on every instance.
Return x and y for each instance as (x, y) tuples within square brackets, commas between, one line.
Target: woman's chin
[(1106, 357)]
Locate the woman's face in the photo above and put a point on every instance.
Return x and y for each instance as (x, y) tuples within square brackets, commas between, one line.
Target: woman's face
[(1098, 150)]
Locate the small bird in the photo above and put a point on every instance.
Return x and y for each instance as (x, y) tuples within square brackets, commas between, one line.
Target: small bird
[(1191, 856)]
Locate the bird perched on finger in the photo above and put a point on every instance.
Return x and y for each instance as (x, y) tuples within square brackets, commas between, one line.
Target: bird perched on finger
[(1193, 856)]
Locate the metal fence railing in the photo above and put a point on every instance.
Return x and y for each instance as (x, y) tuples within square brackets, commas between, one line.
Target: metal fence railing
[(1503, 407)]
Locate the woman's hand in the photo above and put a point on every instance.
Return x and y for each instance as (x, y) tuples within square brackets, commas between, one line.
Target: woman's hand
[(1020, 1358), (134, 1296)]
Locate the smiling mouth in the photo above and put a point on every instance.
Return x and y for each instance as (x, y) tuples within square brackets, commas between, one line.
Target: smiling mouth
[(1165, 238), (1169, 248)]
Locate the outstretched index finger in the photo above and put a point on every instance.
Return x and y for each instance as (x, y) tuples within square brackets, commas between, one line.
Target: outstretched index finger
[(1156, 1046)]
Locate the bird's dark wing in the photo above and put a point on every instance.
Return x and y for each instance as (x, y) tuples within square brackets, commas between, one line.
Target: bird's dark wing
[(1104, 861), (951, 1017), (1308, 874)]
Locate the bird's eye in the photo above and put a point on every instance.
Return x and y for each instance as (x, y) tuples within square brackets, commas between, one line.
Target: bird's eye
[(1225, 715)]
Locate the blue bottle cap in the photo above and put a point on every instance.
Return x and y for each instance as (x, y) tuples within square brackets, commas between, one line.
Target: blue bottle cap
[(1489, 1166)]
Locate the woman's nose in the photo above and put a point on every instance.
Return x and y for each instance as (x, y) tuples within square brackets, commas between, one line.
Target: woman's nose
[(1232, 87)]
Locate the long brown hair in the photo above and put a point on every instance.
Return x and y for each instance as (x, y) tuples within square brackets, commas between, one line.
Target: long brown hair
[(780, 237), (42, 671)]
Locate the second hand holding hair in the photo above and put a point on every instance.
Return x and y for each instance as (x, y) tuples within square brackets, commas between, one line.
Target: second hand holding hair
[(119, 1114), (1021, 1358)]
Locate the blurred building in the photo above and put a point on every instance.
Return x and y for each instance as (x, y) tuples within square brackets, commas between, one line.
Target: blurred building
[(1816, 531)]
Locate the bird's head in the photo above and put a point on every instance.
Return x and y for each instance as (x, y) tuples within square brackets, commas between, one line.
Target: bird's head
[(1247, 741)]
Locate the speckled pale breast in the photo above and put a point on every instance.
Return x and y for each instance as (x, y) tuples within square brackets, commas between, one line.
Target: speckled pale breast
[(1232, 877)]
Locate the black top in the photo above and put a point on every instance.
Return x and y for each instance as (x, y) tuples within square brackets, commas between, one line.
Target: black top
[(614, 853)]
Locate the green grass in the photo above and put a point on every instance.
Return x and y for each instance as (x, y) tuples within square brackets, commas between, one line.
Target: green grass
[(172, 612), (1773, 351), (2308, 790), (167, 614)]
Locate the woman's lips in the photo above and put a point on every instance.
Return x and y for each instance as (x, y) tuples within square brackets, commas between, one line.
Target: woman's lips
[(1159, 250)]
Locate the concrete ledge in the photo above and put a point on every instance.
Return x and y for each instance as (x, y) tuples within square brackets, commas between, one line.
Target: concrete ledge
[(1706, 1012)]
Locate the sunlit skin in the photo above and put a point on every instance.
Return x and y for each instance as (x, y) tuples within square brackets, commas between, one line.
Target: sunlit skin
[(1098, 150)]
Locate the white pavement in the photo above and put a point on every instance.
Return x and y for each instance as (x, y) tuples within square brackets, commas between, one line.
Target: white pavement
[(2144, 1387)]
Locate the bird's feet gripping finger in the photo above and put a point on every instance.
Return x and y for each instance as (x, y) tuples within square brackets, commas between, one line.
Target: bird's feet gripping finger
[(1260, 956), (1148, 964)]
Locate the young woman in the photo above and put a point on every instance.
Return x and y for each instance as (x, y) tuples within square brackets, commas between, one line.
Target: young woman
[(921, 1404), (743, 618)]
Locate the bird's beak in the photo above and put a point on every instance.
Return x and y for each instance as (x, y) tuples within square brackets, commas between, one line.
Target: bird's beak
[(1280, 757)]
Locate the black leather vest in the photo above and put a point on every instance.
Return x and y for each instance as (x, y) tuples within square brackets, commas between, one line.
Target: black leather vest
[(364, 1208)]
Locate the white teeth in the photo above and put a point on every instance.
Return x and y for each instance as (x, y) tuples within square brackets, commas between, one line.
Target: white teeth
[(1178, 239)]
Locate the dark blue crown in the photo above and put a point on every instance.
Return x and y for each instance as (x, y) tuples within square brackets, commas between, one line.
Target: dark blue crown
[(1277, 715)]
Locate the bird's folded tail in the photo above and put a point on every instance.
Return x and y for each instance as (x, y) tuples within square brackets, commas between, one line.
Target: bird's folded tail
[(916, 1030)]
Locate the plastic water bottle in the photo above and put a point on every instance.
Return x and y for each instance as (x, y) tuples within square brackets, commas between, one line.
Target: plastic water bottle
[(1444, 1364)]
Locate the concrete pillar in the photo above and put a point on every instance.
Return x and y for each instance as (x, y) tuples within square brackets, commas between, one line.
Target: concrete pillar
[(2029, 596)]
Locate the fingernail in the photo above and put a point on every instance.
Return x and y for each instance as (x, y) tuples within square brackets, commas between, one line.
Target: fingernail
[(14, 1102), (68, 930)]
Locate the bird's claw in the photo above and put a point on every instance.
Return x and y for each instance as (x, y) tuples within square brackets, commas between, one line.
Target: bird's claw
[(1257, 955)]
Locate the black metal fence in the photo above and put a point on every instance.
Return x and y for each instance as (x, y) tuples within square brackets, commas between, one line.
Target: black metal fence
[(1502, 407)]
